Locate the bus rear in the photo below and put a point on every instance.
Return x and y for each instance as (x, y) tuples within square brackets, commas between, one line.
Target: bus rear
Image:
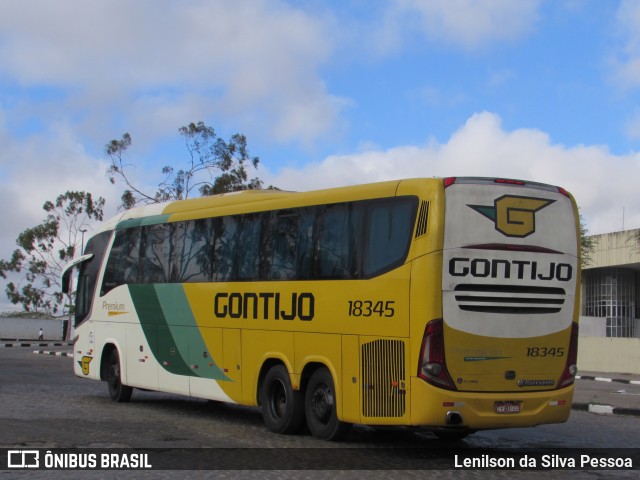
[(504, 352)]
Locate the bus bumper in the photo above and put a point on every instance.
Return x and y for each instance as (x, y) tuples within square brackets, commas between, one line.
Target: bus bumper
[(436, 407)]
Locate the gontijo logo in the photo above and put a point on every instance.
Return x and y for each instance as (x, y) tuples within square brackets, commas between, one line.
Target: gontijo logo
[(513, 216)]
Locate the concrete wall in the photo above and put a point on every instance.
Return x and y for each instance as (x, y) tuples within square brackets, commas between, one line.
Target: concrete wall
[(615, 249), (597, 326), (27, 328), (609, 355), (593, 327)]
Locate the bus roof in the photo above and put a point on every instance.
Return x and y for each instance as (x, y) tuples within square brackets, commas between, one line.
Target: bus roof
[(237, 202), (263, 200)]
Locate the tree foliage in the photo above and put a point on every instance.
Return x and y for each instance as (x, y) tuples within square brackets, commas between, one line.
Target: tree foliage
[(586, 243), (213, 166), (46, 248)]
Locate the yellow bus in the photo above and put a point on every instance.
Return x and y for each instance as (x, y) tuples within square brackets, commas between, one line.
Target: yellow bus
[(449, 304)]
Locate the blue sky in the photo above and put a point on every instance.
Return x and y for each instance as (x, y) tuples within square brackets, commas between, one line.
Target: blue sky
[(328, 93)]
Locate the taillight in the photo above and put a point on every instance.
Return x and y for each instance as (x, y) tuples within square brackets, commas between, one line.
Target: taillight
[(449, 181), (571, 367), (433, 367), (509, 181), (564, 192)]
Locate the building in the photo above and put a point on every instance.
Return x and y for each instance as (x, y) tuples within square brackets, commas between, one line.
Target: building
[(610, 305)]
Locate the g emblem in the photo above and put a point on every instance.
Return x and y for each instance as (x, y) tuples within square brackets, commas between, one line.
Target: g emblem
[(84, 363), (512, 215)]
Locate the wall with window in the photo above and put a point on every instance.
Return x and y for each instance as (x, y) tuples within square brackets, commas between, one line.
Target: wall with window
[(611, 287), (610, 294)]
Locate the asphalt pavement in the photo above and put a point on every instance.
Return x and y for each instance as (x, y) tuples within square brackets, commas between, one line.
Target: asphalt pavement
[(595, 392), (607, 393)]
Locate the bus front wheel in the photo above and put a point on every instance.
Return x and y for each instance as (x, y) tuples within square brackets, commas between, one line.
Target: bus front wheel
[(282, 406), (320, 408), (117, 391)]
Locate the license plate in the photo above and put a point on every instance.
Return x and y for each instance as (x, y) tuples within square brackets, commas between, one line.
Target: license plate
[(508, 407)]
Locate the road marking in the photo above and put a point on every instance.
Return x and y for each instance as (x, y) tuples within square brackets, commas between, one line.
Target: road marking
[(58, 354), (601, 409)]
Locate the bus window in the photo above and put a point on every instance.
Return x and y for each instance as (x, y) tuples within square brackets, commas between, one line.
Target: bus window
[(224, 248), (280, 245), (340, 228), (390, 228), (304, 243), (122, 266), (248, 247), (287, 244), (157, 244), (88, 275), (192, 259)]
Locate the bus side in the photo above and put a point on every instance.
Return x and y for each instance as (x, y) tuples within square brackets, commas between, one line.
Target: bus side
[(218, 340)]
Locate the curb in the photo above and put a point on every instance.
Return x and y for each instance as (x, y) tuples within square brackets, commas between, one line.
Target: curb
[(610, 380), (36, 344), (606, 409), (57, 354)]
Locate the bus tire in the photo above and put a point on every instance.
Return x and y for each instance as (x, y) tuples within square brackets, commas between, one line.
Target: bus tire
[(117, 391), (320, 408), (282, 406)]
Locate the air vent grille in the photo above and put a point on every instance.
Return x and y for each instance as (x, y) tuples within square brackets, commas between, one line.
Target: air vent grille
[(423, 217), (509, 299), (383, 379)]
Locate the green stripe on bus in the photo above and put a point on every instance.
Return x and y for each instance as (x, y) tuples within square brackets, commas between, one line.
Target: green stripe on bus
[(140, 222), (172, 332), (164, 346), (175, 306)]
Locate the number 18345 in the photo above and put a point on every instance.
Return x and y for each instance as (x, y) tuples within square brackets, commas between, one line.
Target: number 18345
[(368, 308)]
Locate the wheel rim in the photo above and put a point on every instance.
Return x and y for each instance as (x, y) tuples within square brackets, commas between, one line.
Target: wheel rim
[(322, 404), (278, 399)]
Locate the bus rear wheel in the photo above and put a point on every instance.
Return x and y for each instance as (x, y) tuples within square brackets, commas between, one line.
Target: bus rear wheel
[(117, 391), (320, 408), (282, 406)]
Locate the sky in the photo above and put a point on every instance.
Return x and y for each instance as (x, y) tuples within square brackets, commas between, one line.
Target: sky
[(328, 93)]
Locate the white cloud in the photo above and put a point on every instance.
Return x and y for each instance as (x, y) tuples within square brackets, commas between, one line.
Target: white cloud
[(235, 56), (40, 168), (603, 183), (467, 24)]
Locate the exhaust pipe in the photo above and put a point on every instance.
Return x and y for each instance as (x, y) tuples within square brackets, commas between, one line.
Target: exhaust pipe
[(454, 418)]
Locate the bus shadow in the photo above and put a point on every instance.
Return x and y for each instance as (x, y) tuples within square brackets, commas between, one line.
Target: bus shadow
[(248, 421)]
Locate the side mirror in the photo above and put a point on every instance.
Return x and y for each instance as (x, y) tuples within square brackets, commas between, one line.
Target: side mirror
[(66, 281), (66, 275)]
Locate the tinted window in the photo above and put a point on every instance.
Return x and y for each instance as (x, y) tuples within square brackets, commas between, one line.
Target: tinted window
[(156, 248), (124, 259), (340, 241), (339, 238), (193, 260), (88, 275), (224, 248), (287, 244), (247, 249), (388, 237)]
